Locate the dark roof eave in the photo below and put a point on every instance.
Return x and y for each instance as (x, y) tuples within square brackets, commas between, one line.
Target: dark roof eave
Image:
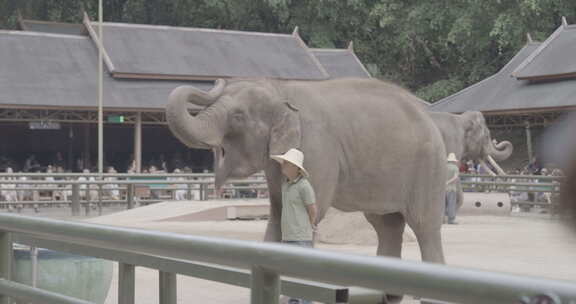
[(560, 76), (124, 75)]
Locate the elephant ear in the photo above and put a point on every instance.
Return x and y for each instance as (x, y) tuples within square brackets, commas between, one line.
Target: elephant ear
[(285, 132)]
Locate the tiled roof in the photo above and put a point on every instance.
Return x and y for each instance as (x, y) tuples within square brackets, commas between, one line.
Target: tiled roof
[(165, 52), (341, 63), (52, 70), (554, 59)]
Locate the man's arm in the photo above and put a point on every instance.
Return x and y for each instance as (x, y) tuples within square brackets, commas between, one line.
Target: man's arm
[(312, 212), (452, 179)]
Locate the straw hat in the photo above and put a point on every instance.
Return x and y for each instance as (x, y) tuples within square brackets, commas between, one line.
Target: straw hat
[(293, 156), (452, 158)]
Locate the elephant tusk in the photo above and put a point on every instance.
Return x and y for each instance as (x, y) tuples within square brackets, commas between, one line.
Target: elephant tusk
[(485, 166), (496, 166)]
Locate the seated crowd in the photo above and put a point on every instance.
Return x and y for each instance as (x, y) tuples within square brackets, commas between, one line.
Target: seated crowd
[(184, 188)]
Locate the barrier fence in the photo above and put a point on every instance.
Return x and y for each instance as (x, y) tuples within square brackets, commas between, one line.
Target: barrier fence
[(266, 264), (93, 190)]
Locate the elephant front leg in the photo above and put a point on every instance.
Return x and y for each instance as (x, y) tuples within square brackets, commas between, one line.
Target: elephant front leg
[(273, 232), (273, 229)]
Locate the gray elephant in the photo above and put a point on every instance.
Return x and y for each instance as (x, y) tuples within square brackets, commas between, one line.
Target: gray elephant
[(467, 136), (367, 148)]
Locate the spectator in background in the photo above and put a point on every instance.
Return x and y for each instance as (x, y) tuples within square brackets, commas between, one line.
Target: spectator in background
[(180, 193), (7, 189), (451, 189), (111, 190)]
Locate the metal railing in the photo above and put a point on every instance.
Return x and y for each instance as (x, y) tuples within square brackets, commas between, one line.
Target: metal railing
[(93, 189), (88, 192), (266, 263), (520, 183), (525, 191)]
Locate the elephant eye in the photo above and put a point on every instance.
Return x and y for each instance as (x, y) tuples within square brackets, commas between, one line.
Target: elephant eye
[(238, 116)]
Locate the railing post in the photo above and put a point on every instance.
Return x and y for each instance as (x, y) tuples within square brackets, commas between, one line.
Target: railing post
[(126, 283), (100, 199), (34, 259), (130, 196), (167, 287), (265, 286), (75, 199), (202, 192), (6, 253), (189, 191)]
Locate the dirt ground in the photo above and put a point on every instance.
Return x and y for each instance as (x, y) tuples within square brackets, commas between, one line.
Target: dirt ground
[(525, 244)]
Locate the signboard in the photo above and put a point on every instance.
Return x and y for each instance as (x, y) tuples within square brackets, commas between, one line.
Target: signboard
[(44, 125), (116, 118)]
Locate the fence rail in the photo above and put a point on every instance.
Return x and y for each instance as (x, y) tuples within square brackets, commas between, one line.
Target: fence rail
[(267, 262), (94, 188)]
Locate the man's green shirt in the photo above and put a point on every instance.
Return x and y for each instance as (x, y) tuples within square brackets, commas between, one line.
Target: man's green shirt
[(296, 195), (452, 171)]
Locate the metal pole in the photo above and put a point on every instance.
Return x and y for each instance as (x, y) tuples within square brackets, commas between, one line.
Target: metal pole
[(529, 142), (130, 196), (167, 287), (138, 143), (75, 199), (265, 286), (100, 93), (34, 258), (126, 283), (100, 199), (5, 261)]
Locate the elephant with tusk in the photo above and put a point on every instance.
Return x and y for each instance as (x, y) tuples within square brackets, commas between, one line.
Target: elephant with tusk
[(367, 148), (467, 136)]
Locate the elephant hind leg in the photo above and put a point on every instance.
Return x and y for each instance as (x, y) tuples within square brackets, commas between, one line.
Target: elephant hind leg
[(389, 228), (430, 243)]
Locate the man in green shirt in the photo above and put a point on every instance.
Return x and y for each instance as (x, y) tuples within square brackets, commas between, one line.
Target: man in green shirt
[(298, 221), (451, 188)]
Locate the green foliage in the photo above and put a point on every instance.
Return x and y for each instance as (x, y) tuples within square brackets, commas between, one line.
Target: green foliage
[(439, 89), (434, 47)]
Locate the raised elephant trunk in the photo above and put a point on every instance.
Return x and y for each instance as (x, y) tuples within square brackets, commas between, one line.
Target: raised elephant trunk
[(202, 131), (500, 151)]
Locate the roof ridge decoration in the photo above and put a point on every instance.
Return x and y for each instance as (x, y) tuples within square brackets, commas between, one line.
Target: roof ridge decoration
[(537, 52), (351, 49), (348, 50), (319, 65), (450, 98), (99, 43)]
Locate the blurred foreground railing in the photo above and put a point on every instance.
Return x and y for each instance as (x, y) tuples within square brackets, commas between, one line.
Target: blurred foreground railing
[(175, 254)]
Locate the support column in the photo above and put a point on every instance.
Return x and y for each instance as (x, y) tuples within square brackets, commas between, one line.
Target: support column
[(126, 283), (86, 160), (167, 288), (138, 143), (265, 286), (529, 142), (5, 261), (70, 159)]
